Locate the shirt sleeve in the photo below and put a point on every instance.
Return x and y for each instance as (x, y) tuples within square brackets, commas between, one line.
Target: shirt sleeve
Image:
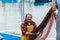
[(23, 28)]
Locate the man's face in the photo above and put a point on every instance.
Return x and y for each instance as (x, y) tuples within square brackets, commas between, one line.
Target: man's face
[(28, 18)]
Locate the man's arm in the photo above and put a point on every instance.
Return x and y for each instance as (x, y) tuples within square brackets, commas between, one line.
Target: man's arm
[(54, 6), (24, 30)]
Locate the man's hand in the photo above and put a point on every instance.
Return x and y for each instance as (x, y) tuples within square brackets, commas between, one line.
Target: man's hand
[(54, 7), (37, 33), (42, 39)]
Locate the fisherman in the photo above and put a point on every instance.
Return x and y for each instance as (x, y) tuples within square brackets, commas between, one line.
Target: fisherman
[(27, 27)]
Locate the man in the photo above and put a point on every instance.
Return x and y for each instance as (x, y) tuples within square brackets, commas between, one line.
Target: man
[(27, 27), (56, 5)]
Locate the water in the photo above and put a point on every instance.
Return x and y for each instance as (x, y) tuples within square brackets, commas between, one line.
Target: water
[(9, 36)]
